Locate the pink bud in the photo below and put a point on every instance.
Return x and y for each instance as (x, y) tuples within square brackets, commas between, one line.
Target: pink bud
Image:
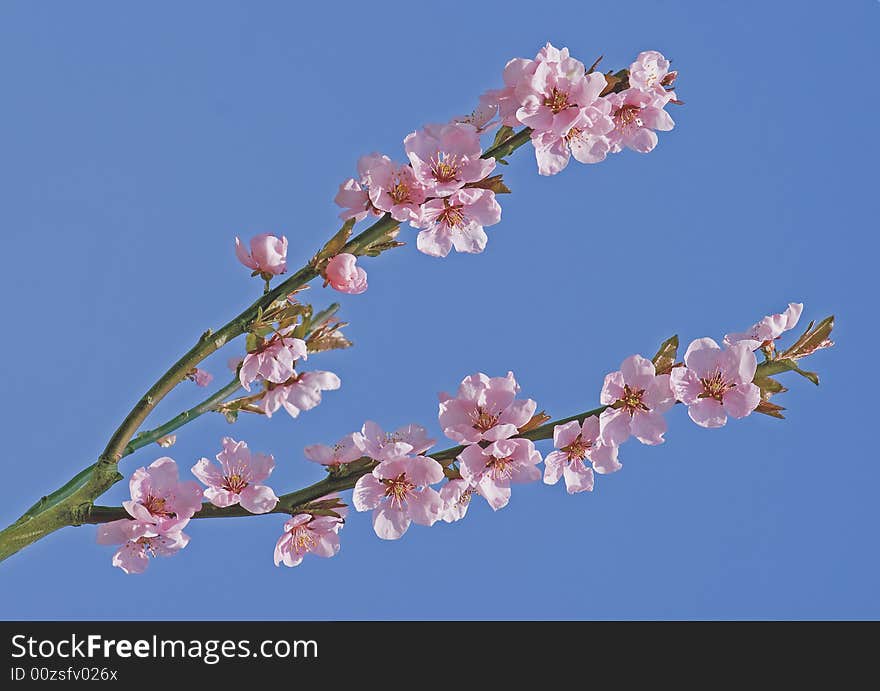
[(268, 254), (343, 274)]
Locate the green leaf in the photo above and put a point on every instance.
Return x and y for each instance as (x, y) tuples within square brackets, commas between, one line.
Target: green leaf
[(666, 355), (813, 339), (252, 342), (502, 135), (336, 243), (765, 369), (769, 386)]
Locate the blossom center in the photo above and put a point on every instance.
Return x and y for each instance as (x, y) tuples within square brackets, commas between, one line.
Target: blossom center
[(483, 420), (557, 100), (156, 506), (397, 490), (234, 483), (714, 386), (399, 192), (627, 117), (302, 539), (500, 468), (577, 450), (444, 167), (631, 401), (452, 216)]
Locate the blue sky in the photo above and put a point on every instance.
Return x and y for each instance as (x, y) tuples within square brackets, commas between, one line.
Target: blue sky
[(138, 140)]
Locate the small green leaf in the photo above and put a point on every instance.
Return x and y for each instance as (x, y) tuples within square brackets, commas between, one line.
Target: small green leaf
[(666, 355), (336, 243), (765, 369), (502, 135)]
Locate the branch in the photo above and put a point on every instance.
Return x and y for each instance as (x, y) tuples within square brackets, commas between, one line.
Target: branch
[(339, 479), (72, 503)]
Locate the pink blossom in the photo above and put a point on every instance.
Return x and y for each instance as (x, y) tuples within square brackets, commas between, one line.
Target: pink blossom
[(200, 377), (446, 157), (485, 409), (491, 470), (343, 274), (398, 492), (300, 392), (409, 439), (237, 480), (346, 450), (308, 534), (394, 188), (716, 383), (457, 221), (138, 542), (574, 443), (456, 496), (483, 116), (355, 201), (637, 397), (636, 115), (267, 256), (160, 506), (159, 498), (648, 71), (554, 90), (581, 134), (768, 329), (274, 360)]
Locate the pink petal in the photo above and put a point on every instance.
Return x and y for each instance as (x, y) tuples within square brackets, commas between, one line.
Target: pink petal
[(258, 498)]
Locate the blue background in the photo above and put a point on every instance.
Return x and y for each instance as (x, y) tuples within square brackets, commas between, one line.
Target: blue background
[(137, 141)]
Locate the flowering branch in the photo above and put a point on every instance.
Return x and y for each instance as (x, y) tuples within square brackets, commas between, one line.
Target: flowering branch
[(337, 481), (446, 190)]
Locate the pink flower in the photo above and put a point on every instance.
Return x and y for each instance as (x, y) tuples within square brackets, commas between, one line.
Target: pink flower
[(491, 470), (636, 115), (394, 188), (483, 116), (355, 201), (637, 397), (138, 542), (581, 134), (574, 443), (485, 409), (398, 492), (343, 274), (267, 256), (237, 479), (300, 392), (716, 383), (648, 71), (200, 377), (159, 498), (456, 496), (308, 534), (553, 92), (769, 328), (410, 439), (160, 507), (457, 221), (346, 450), (446, 157), (274, 360)]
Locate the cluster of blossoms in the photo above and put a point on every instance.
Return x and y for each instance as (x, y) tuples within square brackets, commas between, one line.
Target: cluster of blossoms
[(273, 363), (397, 478), (575, 112), (444, 188)]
